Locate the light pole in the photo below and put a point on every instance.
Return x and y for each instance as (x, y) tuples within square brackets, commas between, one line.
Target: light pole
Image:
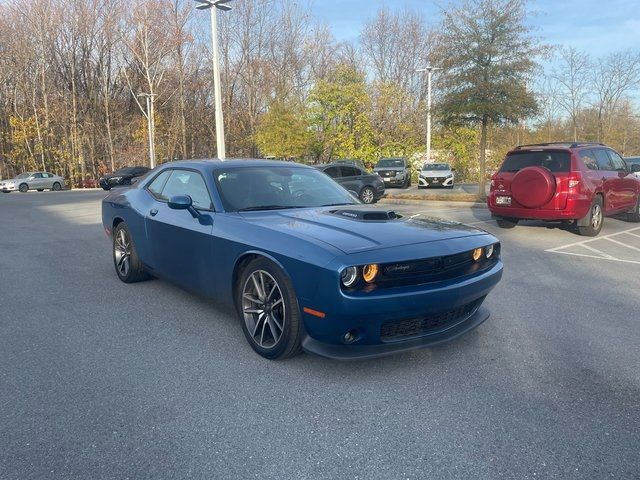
[(429, 71), (151, 127), (219, 5)]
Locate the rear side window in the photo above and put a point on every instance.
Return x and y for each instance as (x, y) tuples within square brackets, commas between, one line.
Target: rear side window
[(604, 163), (350, 171), (589, 159), (553, 161)]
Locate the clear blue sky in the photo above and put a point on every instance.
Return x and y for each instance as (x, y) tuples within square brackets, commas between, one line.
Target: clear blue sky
[(598, 27)]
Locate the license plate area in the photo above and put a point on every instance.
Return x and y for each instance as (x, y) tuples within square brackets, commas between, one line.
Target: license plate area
[(503, 200)]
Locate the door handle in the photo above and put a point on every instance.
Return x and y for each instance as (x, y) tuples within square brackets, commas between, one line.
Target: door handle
[(153, 212)]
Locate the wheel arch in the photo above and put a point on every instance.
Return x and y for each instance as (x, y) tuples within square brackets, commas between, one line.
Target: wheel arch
[(243, 260)]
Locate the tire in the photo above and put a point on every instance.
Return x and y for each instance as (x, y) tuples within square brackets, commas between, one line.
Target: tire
[(106, 189), (367, 195), (506, 222), (274, 332), (41, 189), (56, 187), (128, 266), (23, 188), (634, 216), (593, 221)]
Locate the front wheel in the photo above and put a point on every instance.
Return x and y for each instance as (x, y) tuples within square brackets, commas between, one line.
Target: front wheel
[(269, 311), (23, 187), (367, 195), (591, 224), (125, 257)]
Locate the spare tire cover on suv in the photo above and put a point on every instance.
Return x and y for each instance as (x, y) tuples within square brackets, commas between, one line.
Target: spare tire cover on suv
[(533, 187)]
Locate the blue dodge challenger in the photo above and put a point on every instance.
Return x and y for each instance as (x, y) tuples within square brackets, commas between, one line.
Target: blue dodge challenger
[(305, 265)]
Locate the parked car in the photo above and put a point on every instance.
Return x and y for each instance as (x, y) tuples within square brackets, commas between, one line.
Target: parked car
[(39, 181), (576, 183), (305, 265), (436, 175), (369, 187), (394, 171), (634, 165), (122, 176), (355, 163)]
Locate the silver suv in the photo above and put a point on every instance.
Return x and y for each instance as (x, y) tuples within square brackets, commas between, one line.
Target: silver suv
[(395, 172)]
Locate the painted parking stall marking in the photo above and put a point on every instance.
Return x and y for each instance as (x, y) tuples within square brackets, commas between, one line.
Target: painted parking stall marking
[(617, 247)]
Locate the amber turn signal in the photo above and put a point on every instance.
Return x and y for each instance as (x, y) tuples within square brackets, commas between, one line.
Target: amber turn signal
[(370, 272)]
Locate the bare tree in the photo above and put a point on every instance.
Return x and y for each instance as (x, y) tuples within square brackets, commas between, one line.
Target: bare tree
[(573, 76)]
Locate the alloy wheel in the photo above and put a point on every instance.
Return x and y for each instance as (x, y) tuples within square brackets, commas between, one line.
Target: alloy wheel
[(263, 309), (596, 217), (367, 195), (122, 253)]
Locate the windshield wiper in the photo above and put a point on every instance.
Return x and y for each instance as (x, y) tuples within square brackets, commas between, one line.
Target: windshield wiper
[(267, 207)]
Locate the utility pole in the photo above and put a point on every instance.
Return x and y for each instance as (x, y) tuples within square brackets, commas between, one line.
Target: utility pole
[(429, 71), (217, 89), (151, 127)]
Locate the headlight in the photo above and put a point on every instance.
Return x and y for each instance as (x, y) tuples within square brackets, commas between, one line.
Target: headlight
[(349, 276), (477, 254), (489, 251), (370, 272), (450, 175), (117, 179)]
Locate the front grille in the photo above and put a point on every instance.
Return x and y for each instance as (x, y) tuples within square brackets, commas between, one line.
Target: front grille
[(417, 327)]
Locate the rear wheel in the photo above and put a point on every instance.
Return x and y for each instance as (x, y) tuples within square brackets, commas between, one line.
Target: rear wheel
[(23, 187), (367, 195), (591, 224), (41, 189), (634, 216), (125, 258), (506, 222), (269, 310), (56, 187)]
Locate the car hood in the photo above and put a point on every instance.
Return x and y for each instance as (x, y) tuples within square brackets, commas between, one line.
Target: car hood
[(352, 235), (436, 173)]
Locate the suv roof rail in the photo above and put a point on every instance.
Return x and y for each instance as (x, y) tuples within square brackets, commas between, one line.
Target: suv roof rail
[(567, 144)]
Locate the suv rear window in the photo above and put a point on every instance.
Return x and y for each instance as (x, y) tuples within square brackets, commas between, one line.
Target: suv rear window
[(553, 161)]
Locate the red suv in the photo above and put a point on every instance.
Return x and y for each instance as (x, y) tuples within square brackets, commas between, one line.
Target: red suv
[(575, 183)]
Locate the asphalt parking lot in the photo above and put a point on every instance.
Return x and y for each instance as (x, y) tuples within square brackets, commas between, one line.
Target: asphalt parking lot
[(99, 379)]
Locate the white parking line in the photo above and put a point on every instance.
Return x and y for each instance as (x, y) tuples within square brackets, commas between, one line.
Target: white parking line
[(600, 254)]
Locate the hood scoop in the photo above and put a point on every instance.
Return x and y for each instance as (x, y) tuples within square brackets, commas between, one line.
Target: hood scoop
[(365, 215)]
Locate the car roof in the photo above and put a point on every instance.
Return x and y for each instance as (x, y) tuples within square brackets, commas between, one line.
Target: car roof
[(231, 163), (559, 145)]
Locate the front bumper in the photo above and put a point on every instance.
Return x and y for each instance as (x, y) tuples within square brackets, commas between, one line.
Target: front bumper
[(435, 181), (368, 315), (8, 188), (361, 352)]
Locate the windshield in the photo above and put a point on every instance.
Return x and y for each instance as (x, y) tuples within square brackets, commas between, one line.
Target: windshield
[(553, 161), (436, 166), (24, 175), (632, 160), (274, 188), (390, 162)]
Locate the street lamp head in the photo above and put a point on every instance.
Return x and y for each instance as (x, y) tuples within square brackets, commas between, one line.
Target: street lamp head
[(428, 69), (219, 4)]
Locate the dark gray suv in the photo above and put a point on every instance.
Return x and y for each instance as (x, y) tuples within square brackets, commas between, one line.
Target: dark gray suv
[(395, 172), (368, 186)]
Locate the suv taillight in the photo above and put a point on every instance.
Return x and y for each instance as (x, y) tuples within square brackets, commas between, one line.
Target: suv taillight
[(574, 180)]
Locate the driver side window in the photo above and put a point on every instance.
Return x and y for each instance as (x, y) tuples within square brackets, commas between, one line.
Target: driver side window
[(187, 182)]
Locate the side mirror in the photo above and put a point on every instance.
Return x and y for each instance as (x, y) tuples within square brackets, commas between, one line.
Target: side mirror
[(635, 168), (180, 202)]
